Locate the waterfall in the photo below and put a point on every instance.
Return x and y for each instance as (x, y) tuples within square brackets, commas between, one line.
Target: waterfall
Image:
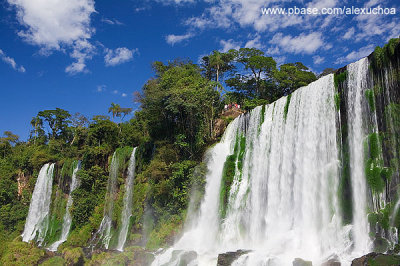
[(127, 209), (357, 117), (104, 231), (67, 219), (283, 200), (37, 220)]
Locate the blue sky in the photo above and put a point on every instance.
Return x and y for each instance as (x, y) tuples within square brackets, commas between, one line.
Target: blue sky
[(82, 55)]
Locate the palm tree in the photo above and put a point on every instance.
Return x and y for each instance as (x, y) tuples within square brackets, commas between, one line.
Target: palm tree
[(115, 109)]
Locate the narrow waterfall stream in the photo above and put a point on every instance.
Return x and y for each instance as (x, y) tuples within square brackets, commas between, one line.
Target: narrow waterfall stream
[(127, 209), (104, 231)]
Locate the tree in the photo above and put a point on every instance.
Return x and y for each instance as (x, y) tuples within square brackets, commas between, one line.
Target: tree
[(257, 78), (327, 71), (79, 123), (292, 76), (7, 141), (115, 109), (57, 121), (180, 105), (216, 64)]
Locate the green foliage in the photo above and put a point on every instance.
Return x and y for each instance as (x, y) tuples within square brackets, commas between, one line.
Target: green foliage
[(286, 110), (73, 256), (53, 261), (21, 253), (339, 78), (165, 233), (233, 162), (291, 76), (181, 102), (384, 259), (370, 95), (337, 101), (249, 104), (381, 56)]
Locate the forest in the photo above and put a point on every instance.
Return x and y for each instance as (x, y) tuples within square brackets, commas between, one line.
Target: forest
[(182, 114)]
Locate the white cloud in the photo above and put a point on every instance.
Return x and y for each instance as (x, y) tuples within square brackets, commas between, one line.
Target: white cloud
[(372, 3), (172, 39), (101, 88), (318, 60), (52, 23), (254, 43), (322, 4), (280, 60), (11, 62), (112, 21), (124, 95), (228, 45), (82, 50), (58, 25), (118, 56), (381, 27), (304, 43), (356, 55), (115, 91), (349, 34)]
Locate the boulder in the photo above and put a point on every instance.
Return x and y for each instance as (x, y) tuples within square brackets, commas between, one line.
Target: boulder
[(301, 262), (227, 258)]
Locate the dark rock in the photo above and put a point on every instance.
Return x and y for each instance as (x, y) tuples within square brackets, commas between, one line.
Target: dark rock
[(373, 259), (331, 262), (301, 262), (227, 258)]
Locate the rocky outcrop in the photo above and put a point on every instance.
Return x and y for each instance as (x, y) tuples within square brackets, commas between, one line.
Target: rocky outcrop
[(22, 183), (373, 258), (301, 262), (226, 259), (332, 262)]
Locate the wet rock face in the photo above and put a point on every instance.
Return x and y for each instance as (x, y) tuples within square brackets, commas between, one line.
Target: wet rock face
[(226, 259), (331, 262), (301, 262), (373, 258)]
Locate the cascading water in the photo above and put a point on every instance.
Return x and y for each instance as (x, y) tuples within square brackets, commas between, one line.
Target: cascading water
[(67, 219), (104, 232), (127, 209), (283, 200), (37, 221), (356, 112)]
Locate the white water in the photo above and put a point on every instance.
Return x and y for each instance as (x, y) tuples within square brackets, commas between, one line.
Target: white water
[(104, 231), (357, 84), (67, 219), (127, 209), (37, 221), (284, 204)]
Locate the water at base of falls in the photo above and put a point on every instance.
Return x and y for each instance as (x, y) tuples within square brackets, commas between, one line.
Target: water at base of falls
[(67, 219), (37, 221), (284, 199), (127, 209)]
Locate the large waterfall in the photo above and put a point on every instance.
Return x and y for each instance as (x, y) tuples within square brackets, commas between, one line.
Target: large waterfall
[(37, 221), (127, 209), (67, 219), (278, 196)]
